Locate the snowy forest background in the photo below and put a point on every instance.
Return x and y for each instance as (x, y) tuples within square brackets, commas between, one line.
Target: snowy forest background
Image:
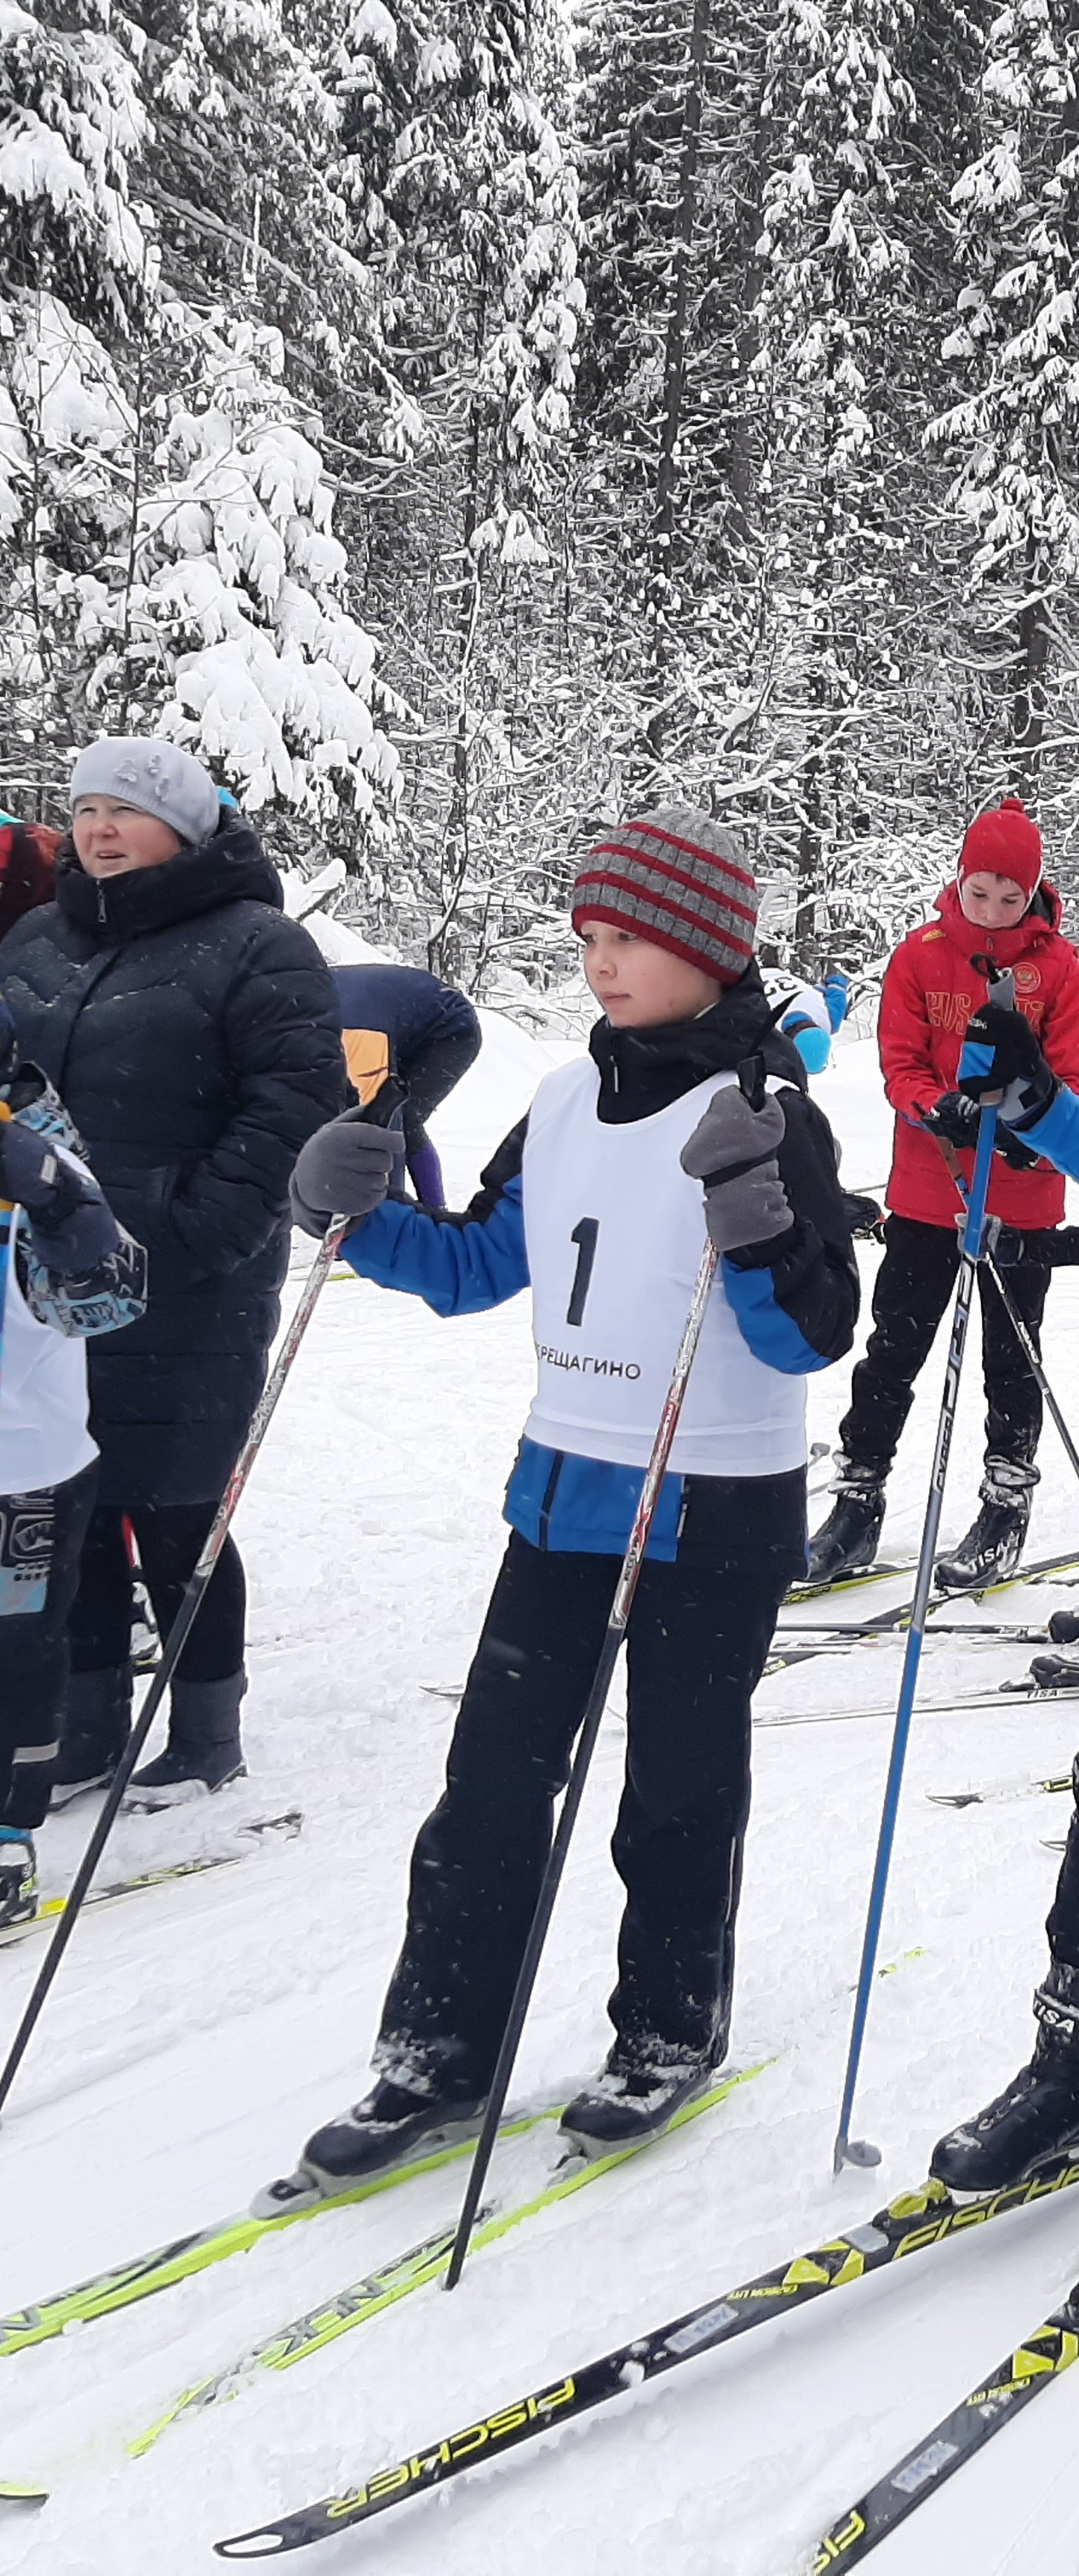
[(462, 420)]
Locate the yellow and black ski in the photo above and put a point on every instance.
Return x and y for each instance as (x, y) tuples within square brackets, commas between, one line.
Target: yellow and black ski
[(916, 2220), (1041, 2357)]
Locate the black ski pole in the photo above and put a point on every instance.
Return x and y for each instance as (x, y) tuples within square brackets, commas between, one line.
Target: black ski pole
[(381, 1113), (1022, 1332), (597, 1701)]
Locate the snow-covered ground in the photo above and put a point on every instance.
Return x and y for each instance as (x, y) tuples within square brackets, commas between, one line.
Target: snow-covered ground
[(198, 2032)]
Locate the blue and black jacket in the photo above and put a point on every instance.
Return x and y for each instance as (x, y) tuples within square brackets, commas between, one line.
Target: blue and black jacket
[(795, 1299)]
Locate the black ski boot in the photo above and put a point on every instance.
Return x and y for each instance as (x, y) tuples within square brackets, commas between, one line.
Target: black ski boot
[(994, 1544), (847, 1541), (1059, 1672), (18, 1876), (634, 2097), (203, 1751), (1055, 1672), (389, 2127), (94, 1730), (1035, 2117)]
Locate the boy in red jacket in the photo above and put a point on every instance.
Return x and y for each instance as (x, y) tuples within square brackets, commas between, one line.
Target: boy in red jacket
[(999, 912)]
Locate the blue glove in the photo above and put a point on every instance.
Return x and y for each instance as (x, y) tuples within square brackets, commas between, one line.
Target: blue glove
[(1001, 1053), (71, 1227)]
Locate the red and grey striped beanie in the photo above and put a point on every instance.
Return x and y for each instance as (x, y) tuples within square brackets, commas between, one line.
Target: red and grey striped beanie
[(679, 880)]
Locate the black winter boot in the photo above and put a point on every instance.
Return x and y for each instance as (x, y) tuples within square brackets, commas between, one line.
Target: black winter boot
[(994, 1544), (1036, 2116), (389, 2127), (95, 1726), (18, 1876), (847, 1541), (203, 1751), (634, 2097)]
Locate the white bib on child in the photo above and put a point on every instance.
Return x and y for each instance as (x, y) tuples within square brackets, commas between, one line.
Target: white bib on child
[(43, 1400), (615, 1231)]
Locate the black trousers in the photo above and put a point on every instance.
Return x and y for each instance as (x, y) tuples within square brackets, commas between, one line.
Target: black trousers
[(170, 1537), (34, 1655), (699, 1632), (914, 1284)]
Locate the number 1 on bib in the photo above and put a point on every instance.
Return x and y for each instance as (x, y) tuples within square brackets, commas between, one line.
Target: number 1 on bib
[(585, 1236)]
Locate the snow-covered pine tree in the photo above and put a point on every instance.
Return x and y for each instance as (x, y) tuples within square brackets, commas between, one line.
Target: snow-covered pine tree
[(226, 616), (672, 428), (76, 275), (465, 203), (1011, 435), (835, 319)]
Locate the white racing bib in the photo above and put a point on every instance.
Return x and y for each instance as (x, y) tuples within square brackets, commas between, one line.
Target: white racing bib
[(615, 1232), (43, 1400)]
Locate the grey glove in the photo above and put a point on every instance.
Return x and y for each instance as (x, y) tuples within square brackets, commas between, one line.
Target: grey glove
[(733, 1151), (343, 1170)]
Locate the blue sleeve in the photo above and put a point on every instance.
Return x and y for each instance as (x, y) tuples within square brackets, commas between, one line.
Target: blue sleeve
[(769, 1332), (1056, 1134), (458, 1265), (836, 990)]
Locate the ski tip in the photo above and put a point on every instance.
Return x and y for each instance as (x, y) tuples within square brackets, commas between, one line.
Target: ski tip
[(286, 2197), (13, 2492), (252, 2544)]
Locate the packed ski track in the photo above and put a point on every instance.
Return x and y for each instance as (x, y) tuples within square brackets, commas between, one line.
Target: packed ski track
[(199, 2030)]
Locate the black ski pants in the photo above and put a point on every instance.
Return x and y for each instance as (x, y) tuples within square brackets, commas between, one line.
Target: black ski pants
[(699, 1633), (914, 1283), (33, 1645), (170, 1537)]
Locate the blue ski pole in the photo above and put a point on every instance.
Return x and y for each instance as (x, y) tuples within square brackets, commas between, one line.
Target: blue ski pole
[(858, 2151)]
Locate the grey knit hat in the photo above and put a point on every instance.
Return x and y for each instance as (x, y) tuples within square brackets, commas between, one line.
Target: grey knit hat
[(679, 880), (154, 775)]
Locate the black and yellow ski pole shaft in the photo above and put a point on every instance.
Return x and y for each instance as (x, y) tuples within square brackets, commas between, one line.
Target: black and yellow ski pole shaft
[(381, 1111), (1041, 2357)]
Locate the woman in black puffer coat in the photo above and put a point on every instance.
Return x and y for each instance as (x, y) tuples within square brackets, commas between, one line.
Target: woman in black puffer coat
[(194, 1037)]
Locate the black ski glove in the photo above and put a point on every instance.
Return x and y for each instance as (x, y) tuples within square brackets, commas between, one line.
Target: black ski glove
[(955, 1118), (1052, 1247), (864, 1217), (1004, 1243), (1001, 1053), (343, 1170), (733, 1151), (71, 1227)]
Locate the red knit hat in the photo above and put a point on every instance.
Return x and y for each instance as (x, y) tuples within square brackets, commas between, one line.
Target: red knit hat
[(1006, 843), (679, 880)]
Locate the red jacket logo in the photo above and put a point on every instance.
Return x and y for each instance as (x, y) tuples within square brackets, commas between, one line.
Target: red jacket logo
[(950, 1010)]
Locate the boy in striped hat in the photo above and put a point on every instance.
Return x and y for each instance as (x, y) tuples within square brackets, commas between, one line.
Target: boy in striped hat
[(599, 1203)]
